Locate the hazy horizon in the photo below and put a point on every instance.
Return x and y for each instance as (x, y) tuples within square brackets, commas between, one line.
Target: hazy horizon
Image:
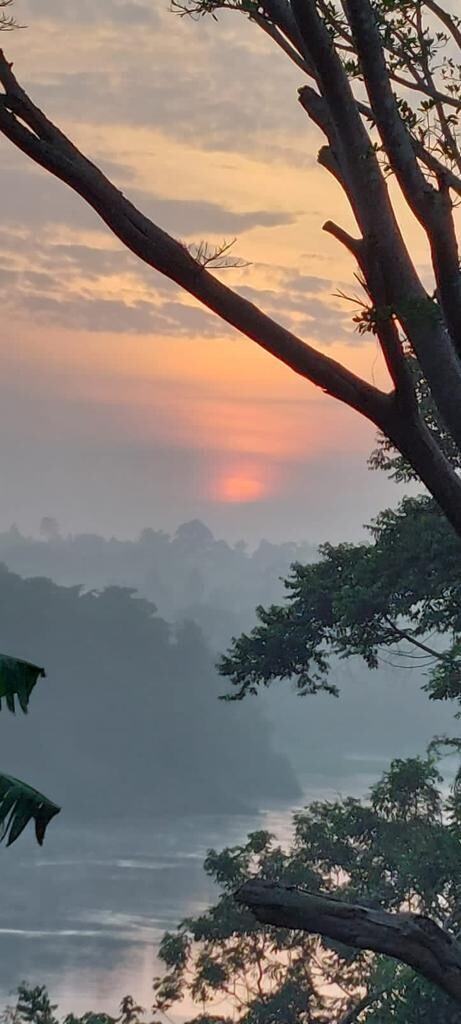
[(313, 519), (123, 402), (126, 406)]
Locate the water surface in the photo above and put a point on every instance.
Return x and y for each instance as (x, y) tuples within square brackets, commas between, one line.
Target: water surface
[(84, 914)]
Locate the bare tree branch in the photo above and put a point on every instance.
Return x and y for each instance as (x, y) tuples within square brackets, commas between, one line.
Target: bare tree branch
[(432, 207), (450, 23), (411, 938), (28, 127), (416, 83), (389, 274), (428, 158), (33, 133), (436, 166), (368, 195)]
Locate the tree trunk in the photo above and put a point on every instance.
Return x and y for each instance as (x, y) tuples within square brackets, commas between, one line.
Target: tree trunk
[(411, 938), (404, 426)]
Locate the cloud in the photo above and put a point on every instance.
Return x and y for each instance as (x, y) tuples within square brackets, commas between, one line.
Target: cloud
[(222, 84), (97, 314), (101, 421), (91, 286), (195, 216), (110, 290), (306, 283), (29, 195), (86, 12), (115, 316), (54, 292), (307, 307)]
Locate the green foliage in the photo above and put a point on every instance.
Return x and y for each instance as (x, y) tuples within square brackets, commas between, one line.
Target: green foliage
[(409, 791), (20, 804), (33, 1006), (90, 1018), (399, 594), (17, 679), (130, 1011), (399, 850)]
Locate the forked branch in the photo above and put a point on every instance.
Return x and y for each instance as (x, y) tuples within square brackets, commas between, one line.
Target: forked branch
[(32, 132)]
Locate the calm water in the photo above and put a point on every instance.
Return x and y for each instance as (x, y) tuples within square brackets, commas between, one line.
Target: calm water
[(84, 915)]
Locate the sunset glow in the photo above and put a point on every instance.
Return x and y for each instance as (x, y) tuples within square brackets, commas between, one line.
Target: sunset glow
[(147, 403), (239, 487)]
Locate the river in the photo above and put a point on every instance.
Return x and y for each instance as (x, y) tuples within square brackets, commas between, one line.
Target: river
[(85, 913)]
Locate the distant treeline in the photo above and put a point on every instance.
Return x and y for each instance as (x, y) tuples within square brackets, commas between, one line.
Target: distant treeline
[(189, 574), (128, 720), (191, 577)]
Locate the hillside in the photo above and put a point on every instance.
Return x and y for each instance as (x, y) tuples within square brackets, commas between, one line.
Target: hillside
[(127, 721)]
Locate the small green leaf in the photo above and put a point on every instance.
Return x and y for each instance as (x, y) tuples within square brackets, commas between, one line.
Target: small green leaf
[(17, 679)]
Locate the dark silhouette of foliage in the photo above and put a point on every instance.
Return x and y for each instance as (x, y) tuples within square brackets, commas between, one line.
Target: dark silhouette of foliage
[(129, 711), (399, 593), (398, 849)]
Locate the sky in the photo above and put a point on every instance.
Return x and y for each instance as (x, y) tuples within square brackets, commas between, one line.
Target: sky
[(123, 402)]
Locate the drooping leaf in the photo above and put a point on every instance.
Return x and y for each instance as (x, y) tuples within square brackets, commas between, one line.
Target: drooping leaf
[(19, 804), (17, 679)]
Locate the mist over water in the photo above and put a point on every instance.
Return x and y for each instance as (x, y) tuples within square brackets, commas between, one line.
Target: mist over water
[(151, 769), (85, 914)]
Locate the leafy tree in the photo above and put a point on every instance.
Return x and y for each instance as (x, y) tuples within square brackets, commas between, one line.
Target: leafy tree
[(398, 849), (397, 595), (384, 88), (387, 49), (152, 690), (33, 1006)]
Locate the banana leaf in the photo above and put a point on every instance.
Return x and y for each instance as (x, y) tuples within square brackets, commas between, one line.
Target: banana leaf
[(17, 679), (19, 804)]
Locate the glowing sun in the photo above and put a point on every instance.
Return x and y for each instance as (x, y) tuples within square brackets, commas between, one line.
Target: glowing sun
[(238, 487)]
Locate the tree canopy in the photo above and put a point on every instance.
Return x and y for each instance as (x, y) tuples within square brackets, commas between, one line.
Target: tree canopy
[(399, 593), (130, 698), (398, 849), (384, 88)]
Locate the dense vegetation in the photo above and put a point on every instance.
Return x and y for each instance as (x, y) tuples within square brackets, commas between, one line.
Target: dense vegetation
[(132, 701), (384, 88), (399, 849), (195, 576), (395, 593)]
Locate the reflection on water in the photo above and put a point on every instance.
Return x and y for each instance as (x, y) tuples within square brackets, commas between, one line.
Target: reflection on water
[(84, 915)]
